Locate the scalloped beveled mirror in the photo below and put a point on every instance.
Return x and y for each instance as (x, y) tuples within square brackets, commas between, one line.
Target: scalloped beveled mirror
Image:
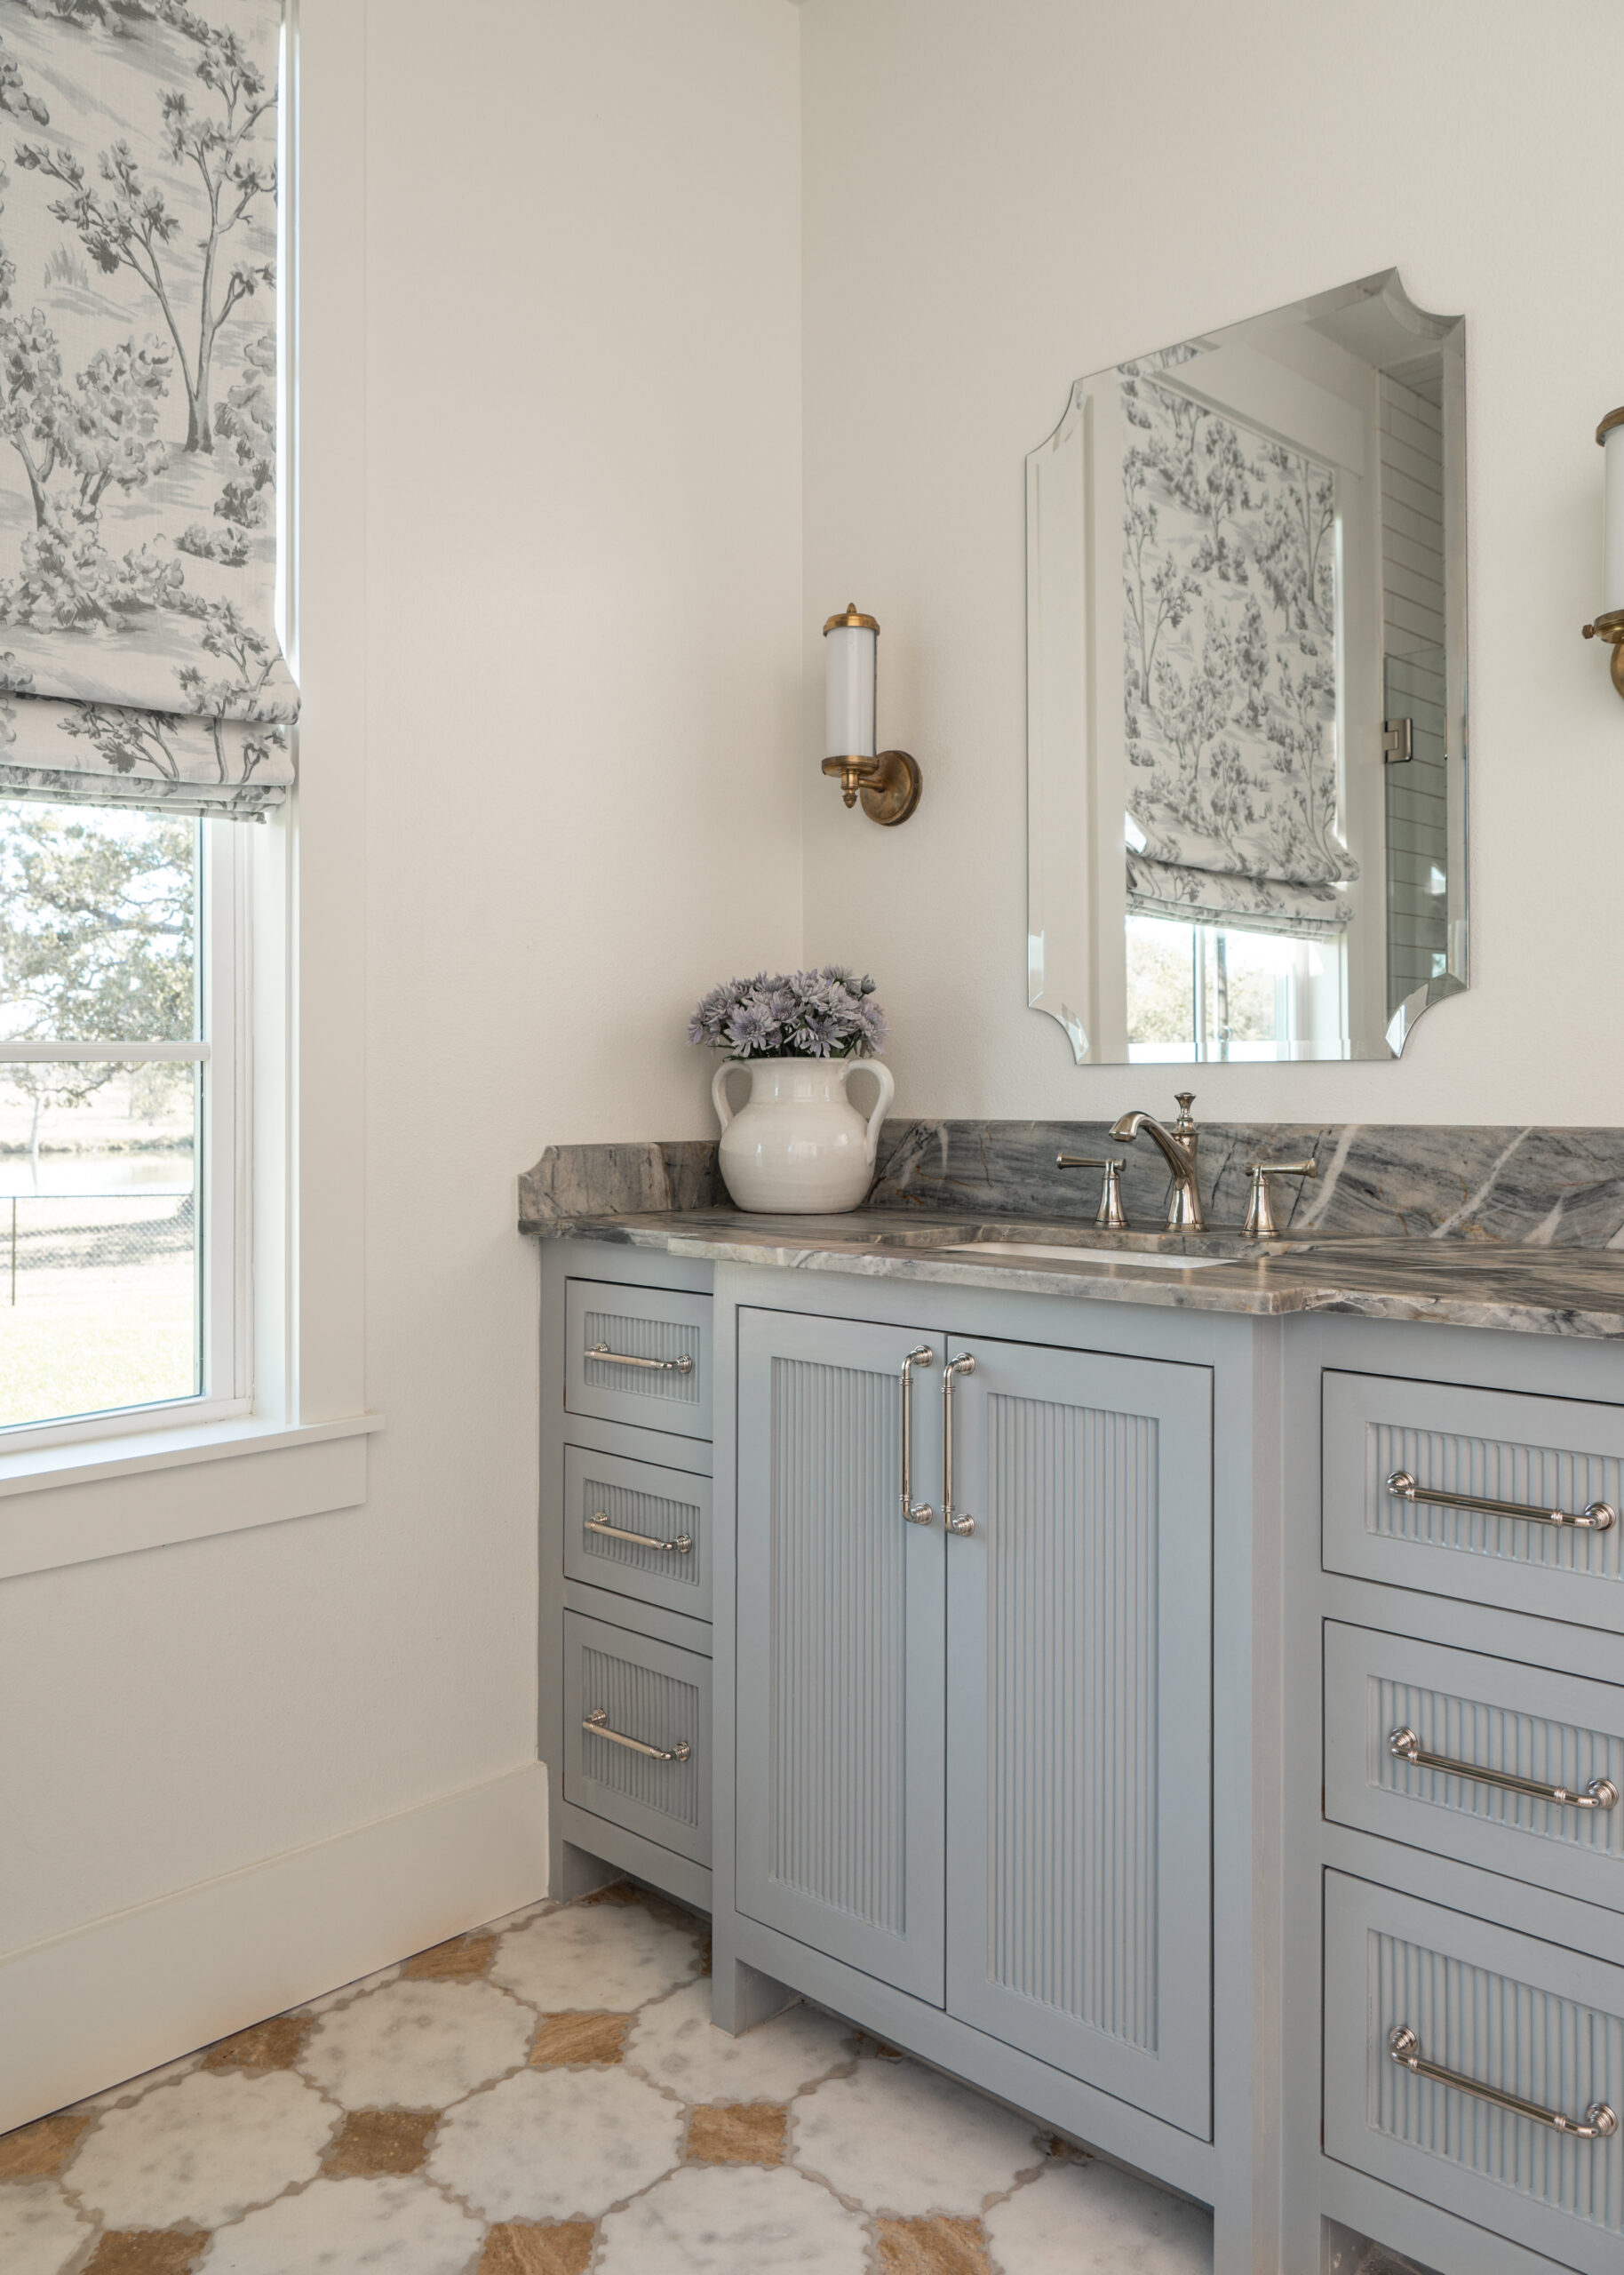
[(1246, 689)]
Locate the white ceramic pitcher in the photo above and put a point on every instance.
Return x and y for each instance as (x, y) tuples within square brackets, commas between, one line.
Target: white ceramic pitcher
[(798, 1147)]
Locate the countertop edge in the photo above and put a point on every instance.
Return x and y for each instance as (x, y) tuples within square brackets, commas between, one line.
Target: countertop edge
[(1191, 1292)]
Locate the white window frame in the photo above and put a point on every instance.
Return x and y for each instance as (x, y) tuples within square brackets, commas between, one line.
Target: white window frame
[(301, 1451), (222, 1177)]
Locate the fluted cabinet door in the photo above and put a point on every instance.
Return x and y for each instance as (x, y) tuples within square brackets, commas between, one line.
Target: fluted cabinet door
[(840, 1616), (1078, 1893)]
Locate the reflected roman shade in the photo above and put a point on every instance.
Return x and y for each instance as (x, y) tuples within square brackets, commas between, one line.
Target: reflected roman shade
[(1229, 666), (140, 664)]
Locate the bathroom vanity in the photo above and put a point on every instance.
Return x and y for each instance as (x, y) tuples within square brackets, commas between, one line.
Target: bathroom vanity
[(1175, 1685)]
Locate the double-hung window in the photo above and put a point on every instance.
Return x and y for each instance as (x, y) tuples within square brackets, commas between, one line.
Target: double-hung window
[(123, 1120), (146, 704)]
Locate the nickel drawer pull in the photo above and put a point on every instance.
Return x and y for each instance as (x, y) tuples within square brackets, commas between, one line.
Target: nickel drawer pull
[(1600, 1793), (1599, 2122), (598, 1522), (597, 1722), (1595, 1517), (953, 1519), (914, 1512), (682, 1366)]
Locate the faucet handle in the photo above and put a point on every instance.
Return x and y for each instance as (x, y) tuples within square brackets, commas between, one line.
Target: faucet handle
[(1260, 1214), (1110, 1217), (1184, 1100)]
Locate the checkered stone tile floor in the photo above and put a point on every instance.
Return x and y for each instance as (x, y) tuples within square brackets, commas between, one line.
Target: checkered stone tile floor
[(548, 2096)]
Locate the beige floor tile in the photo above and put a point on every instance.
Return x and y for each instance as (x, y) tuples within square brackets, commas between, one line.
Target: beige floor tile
[(418, 2045), (373, 2142), (677, 2044), (147, 2251), (457, 1962), (395, 2227), (897, 2137), (203, 2149), (733, 2219), (521, 2247), (37, 2151), (935, 2247), (737, 2133), (274, 2045), (40, 2233), (556, 2144), (596, 1955), (572, 2039), (1090, 2219)]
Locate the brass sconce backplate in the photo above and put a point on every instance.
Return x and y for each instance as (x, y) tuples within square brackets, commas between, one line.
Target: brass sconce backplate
[(888, 786)]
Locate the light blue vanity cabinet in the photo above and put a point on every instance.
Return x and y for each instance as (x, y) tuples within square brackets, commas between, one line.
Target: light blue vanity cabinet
[(975, 1764)]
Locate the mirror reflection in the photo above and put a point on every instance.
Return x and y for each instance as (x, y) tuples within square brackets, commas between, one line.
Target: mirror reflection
[(1245, 690)]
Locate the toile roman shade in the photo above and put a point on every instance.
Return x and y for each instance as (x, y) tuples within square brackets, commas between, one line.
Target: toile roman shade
[(1230, 661), (140, 664)]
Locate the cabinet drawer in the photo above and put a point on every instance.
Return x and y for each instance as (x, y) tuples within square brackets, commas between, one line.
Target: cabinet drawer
[(640, 1529), (1541, 1455), (640, 1355), (1492, 2008), (657, 1696), (1497, 1717)]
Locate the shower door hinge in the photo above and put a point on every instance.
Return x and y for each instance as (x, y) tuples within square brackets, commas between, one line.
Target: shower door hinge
[(1397, 742)]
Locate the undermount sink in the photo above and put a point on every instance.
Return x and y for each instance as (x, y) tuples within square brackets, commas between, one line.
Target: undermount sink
[(991, 1251)]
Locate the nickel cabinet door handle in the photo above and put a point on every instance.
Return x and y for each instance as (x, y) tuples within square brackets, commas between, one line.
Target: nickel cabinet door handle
[(914, 1512), (1600, 1793), (597, 1722), (683, 1545), (1599, 2123), (963, 1364), (682, 1366), (1595, 1517)]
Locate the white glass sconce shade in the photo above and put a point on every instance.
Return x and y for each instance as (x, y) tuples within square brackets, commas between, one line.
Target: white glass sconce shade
[(850, 657), (1613, 519), (1609, 624)]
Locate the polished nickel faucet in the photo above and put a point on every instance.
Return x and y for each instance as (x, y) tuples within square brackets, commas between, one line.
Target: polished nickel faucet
[(1178, 1145)]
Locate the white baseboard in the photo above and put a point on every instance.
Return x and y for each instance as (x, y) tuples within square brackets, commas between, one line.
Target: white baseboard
[(116, 1996)]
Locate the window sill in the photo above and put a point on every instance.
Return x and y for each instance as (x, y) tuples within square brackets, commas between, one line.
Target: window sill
[(111, 1497)]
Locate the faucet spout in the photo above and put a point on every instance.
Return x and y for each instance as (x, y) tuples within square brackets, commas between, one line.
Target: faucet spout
[(1177, 1147)]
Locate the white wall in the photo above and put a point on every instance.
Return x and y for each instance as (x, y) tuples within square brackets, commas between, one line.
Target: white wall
[(1003, 194), (571, 604)]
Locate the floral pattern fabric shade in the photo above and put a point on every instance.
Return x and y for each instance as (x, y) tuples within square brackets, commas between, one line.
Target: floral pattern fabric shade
[(139, 659), (1229, 672)]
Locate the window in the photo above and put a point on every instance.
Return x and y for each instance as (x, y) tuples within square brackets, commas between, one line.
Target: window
[(122, 1129), (1215, 991)]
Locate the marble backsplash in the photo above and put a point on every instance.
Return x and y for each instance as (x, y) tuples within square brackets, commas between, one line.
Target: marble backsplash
[(1561, 1187)]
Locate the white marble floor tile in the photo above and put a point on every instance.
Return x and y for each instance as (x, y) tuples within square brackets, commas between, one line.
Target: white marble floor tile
[(609, 1955), (901, 2140), (733, 2219), (387, 2227), (343, 1993), (1090, 2219), (133, 2088), (204, 2149), (679, 2046), (556, 2144), (40, 2233), (417, 2045)]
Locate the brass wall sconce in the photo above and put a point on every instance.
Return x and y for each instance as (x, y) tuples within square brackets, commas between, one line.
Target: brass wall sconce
[(887, 781), (1609, 624)]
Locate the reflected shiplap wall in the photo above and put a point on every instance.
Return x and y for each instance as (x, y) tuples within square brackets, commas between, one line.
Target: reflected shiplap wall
[(999, 198)]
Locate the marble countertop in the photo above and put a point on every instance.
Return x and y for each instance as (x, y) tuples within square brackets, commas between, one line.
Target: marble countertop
[(1523, 1288)]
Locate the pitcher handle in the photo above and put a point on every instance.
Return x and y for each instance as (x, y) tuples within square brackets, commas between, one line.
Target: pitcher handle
[(719, 1088), (887, 1083)]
